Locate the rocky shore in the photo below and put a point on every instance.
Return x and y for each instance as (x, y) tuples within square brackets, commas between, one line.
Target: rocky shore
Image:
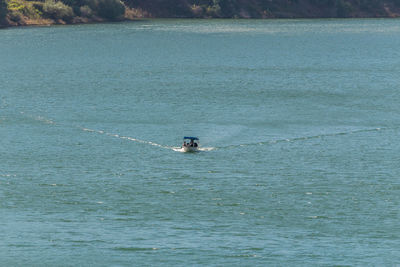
[(48, 12)]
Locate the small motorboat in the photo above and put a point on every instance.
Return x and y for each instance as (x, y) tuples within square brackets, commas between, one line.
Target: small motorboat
[(190, 144)]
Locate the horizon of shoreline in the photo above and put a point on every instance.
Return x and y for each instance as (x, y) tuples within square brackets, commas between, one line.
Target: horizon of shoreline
[(49, 22)]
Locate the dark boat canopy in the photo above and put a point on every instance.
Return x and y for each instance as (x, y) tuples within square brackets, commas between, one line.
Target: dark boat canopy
[(191, 138)]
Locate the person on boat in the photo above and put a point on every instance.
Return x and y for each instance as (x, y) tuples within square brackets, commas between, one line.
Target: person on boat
[(195, 144), (191, 143), (184, 143)]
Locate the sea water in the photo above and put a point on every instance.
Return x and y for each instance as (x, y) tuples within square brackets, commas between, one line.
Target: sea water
[(298, 120)]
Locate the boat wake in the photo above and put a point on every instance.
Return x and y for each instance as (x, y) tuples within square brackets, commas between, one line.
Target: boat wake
[(179, 149), (303, 138), (174, 148), (269, 142), (125, 137)]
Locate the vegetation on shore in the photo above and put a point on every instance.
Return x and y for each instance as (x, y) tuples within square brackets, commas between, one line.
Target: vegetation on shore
[(41, 12), (23, 12)]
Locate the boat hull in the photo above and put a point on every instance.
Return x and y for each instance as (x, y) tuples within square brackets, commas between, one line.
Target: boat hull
[(190, 149)]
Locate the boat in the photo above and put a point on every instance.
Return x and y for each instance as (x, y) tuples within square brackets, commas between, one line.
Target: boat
[(190, 144)]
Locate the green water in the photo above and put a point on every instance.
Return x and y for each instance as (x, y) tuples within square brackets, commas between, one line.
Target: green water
[(298, 122)]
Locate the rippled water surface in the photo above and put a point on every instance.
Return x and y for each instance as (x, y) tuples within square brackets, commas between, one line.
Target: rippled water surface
[(298, 122)]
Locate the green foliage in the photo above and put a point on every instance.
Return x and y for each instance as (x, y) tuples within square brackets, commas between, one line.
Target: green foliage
[(86, 11), (24, 11), (3, 10), (232, 8), (109, 9), (73, 3), (322, 3), (214, 9), (20, 8), (344, 8), (57, 10), (370, 5)]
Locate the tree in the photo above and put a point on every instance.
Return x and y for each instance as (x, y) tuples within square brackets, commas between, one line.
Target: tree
[(3, 10), (109, 9)]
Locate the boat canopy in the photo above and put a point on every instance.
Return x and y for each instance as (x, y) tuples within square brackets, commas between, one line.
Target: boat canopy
[(190, 138)]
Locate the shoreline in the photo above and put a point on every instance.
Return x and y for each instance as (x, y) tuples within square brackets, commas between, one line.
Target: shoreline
[(50, 23), (17, 13), (22, 13)]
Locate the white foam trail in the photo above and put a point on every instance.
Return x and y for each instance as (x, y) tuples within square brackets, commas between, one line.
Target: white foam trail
[(207, 148), (304, 138), (87, 130), (179, 149), (174, 148), (125, 137)]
